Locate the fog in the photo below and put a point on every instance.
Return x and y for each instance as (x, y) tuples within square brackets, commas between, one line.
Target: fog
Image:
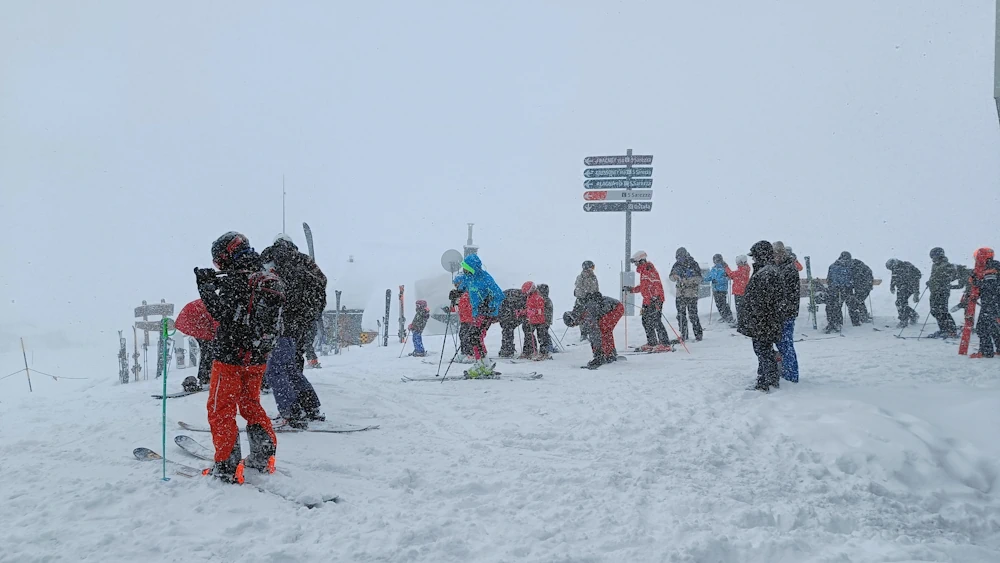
[(134, 134)]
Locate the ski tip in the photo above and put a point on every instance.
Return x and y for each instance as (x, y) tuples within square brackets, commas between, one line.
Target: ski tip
[(145, 454)]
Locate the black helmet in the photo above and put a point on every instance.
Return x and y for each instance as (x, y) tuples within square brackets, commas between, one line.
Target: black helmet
[(937, 253), (588, 265), (190, 384), (717, 259), (891, 264), (845, 255), (227, 248)]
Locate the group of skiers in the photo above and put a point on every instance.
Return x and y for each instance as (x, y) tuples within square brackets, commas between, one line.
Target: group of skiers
[(263, 309)]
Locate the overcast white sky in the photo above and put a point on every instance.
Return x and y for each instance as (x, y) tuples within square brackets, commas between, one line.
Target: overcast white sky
[(133, 134)]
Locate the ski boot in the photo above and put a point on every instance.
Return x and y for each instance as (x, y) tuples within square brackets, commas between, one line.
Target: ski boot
[(228, 471), (662, 348), (541, 357), (262, 450), (191, 384), (315, 415), (646, 348)]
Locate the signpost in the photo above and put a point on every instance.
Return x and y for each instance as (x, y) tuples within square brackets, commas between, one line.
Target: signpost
[(996, 62), (613, 190)]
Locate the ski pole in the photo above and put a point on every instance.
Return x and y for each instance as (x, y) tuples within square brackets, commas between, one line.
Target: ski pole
[(927, 318), (455, 355), (553, 333), (565, 332), (403, 349), (679, 339), (445, 341)]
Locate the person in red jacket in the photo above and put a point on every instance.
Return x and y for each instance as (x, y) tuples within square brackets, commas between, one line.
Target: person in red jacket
[(466, 330), (651, 289), (533, 317), (740, 277)]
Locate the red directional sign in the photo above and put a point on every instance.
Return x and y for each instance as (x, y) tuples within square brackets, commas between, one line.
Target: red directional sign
[(616, 195)]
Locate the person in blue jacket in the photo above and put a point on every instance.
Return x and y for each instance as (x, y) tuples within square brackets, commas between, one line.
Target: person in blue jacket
[(720, 288), (485, 296)]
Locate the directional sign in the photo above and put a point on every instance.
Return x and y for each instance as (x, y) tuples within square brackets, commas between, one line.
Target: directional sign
[(154, 326), (619, 206), (617, 172), (638, 184), (596, 195), (162, 309), (618, 160)]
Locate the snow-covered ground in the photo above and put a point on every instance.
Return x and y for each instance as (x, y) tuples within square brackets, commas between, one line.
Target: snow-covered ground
[(886, 451)]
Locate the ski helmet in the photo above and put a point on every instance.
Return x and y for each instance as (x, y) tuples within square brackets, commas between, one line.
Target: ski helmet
[(937, 253), (639, 256), (190, 384), (741, 259), (983, 255), (681, 253), (421, 304), (717, 259), (845, 255), (527, 287), (283, 237), (588, 265), (227, 248), (891, 264)]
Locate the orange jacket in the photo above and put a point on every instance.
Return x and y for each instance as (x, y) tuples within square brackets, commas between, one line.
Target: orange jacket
[(740, 277), (650, 285)]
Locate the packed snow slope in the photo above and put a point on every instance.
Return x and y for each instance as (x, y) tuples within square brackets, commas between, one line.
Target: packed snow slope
[(885, 451)]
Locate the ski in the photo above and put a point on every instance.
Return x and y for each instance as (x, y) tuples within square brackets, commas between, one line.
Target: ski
[(258, 481), (315, 426), (309, 240), (496, 376), (177, 394), (198, 450)]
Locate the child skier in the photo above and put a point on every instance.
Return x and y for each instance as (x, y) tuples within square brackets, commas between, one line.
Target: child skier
[(720, 288), (533, 316), (599, 314), (420, 317), (247, 303), (651, 289), (740, 277), (460, 301)]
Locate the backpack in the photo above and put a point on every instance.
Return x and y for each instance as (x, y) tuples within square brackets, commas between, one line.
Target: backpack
[(267, 299)]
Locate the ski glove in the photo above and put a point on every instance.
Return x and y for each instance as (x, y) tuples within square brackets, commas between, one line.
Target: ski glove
[(204, 275), (627, 288)]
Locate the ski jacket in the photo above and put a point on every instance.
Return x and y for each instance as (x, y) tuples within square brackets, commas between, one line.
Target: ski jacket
[(650, 285), (586, 283), (905, 278), (717, 275), (484, 293), (740, 277), (862, 278), (791, 289), (943, 273), (687, 273), (987, 279), (420, 319), (305, 287), (840, 275), (762, 319), (226, 299), (514, 302), (588, 313), (464, 308), (535, 308)]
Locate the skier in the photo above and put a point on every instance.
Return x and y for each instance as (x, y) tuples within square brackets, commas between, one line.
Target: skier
[(791, 295), (305, 299), (546, 346), (651, 289), (416, 328), (943, 273), (601, 314), (586, 283), (862, 283), (513, 301), (905, 282), (740, 277), (838, 282), (764, 319), (533, 317), (460, 300), (486, 298), (687, 273), (986, 279), (720, 288), (247, 303)]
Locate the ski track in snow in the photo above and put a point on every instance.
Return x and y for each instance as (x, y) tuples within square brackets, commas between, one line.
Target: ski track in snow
[(886, 451)]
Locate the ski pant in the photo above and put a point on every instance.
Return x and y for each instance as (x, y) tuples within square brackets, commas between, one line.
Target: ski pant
[(530, 347), (786, 347), (507, 348), (237, 389), (418, 343), (206, 358), (988, 330), (856, 307), (939, 309), (739, 306), (652, 321), (466, 336), (767, 363), (292, 391), (544, 338), (606, 326), (906, 313), (308, 340), (480, 326), (721, 303), (688, 307), (835, 297), (584, 335)]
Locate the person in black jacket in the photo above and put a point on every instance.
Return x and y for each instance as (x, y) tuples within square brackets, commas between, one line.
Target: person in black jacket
[(247, 304), (939, 284), (862, 282), (791, 296), (599, 314), (986, 279), (765, 313), (905, 282), (546, 347), (514, 301)]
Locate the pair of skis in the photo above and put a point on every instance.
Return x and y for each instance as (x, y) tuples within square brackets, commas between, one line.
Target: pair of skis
[(496, 376), (314, 426)]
